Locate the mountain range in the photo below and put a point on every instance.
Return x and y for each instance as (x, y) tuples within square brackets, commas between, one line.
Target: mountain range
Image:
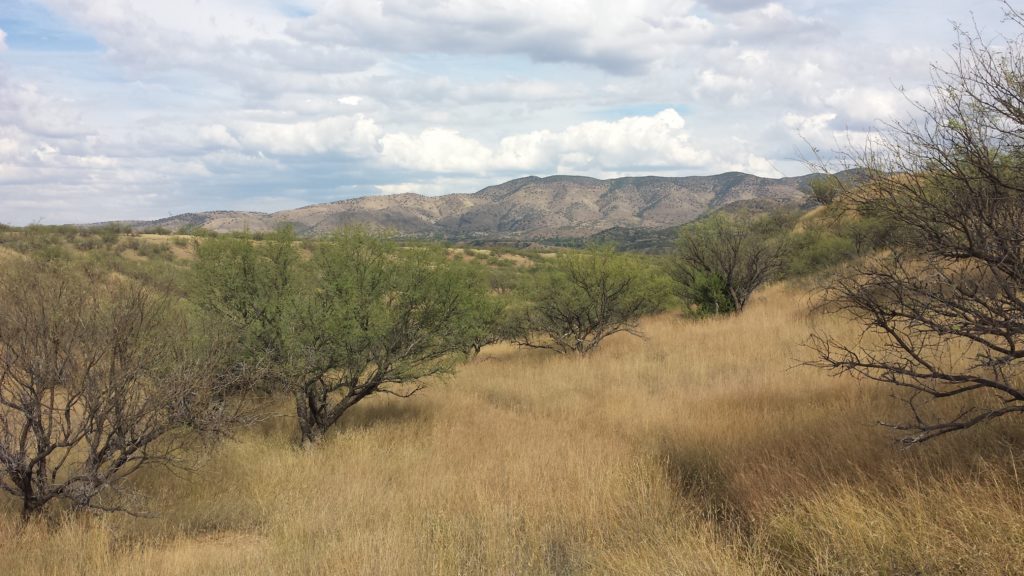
[(524, 208)]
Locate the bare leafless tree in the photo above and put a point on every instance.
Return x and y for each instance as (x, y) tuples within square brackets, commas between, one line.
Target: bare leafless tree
[(943, 313), (100, 377)]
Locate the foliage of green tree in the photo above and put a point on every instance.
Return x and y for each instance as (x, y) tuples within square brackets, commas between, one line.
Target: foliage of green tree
[(707, 294), (583, 297), (361, 317), (719, 261), (250, 286), (825, 190), (817, 249)]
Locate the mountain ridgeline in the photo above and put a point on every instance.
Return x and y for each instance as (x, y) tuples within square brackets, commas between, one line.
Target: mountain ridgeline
[(530, 208)]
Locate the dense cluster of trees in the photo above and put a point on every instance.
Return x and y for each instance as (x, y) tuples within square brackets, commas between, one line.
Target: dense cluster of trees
[(105, 371)]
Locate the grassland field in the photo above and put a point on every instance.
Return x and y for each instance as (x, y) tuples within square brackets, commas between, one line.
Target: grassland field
[(705, 448)]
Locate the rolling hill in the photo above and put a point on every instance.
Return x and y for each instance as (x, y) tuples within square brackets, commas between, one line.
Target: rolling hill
[(524, 208)]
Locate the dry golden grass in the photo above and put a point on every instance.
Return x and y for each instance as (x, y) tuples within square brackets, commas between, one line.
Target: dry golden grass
[(181, 246), (700, 450), (7, 253), (481, 255)]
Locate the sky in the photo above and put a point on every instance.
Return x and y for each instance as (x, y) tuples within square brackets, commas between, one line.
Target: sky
[(118, 109)]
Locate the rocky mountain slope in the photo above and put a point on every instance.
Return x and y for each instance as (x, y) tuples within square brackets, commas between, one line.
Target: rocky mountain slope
[(531, 207)]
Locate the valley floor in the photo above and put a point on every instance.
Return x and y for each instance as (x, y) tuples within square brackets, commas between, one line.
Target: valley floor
[(703, 449)]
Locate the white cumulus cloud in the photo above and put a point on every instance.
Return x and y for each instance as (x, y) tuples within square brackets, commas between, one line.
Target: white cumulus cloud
[(660, 140), (867, 105), (634, 142), (355, 136), (435, 150), (814, 128)]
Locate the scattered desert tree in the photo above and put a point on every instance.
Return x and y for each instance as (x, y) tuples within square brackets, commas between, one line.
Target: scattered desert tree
[(719, 261), (587, 296), (942, 311), (825, 189), (100, 377), (360, 317)]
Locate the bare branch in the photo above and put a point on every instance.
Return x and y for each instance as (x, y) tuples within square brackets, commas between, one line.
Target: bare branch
[(942, 311)]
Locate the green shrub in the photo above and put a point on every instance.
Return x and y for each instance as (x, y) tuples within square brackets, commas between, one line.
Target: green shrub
[(583, 297)]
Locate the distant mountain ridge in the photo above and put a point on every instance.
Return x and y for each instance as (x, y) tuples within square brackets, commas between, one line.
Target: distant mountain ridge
[(525, 208)]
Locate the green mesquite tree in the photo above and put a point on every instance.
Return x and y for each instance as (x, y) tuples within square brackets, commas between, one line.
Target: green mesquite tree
[(362, 316)]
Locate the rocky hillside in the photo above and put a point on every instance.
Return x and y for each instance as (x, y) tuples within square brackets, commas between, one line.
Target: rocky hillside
[(531, 207)]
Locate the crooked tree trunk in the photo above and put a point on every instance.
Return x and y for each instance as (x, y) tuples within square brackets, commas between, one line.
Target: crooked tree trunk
[(308, 408), (316, 414), (31, 507), (31, 503)]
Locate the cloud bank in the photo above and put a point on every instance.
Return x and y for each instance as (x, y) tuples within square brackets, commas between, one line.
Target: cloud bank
[(114, 109)]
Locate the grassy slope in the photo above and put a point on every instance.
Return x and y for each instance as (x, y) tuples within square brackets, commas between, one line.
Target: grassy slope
[(697, 451)]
